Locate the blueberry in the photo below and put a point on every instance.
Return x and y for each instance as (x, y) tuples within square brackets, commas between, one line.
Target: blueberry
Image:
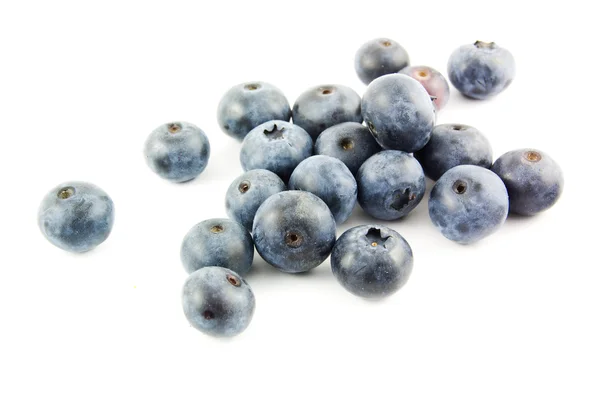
[(329, 179), (277, 146), (350, 142), (371, 261), (468, 203), (533, 179), (294, 231), (218, 302), (76, 216), (324, 106), (247, 192), (217, 242), (379, 57), (481, 70), (452, 145), (177, 151), (433, 81), (399, 112), (390, 185), (248, 105)]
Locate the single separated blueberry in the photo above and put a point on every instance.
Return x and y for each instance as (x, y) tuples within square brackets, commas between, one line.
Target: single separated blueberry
[(533, 179), (468, 203), (294, 231), (177, 151), (350, 142), (379, 57), (330, 180), (371, 261), (247, 105), (481, 70), (76, 216), (434, 82), (399, 112), (218, 302), (390, 185), (217, 242), (324, 106), (277, 146), (247, 192), (451, 145)]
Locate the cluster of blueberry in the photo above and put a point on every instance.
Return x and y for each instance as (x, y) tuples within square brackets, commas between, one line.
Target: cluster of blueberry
[(329, 161)]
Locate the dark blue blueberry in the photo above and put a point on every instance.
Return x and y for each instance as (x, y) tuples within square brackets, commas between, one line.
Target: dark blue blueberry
[(324, 106), (481, 70), (330, 180), (294, 231), (248, 105), (434, 82), (350, 142), (533, 179), (452, 145), (390, 185), (218, 302), (399, 112), (247, 192), (379, 57), (76, 216), (468, 203), (277, 146), (218, 242), (372, 261), (177, 151)]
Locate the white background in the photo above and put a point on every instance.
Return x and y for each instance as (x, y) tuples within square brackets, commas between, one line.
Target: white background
[(83, 84)]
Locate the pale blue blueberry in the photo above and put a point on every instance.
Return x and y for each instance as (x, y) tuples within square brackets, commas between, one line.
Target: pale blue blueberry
[(379, 57)]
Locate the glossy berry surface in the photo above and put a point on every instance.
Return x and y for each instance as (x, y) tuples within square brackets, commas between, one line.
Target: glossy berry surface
[(399, 112), (218, 302), (379, 57), (433, 81), (218, 242), (372, 261), (177, 151), (276, 146), (329, 179), (390, 185), (468, 203), (294, 231), (76, 216), (451, 145), (248, 191), (350, 142), (533, 179), (248, 105), (481, 70), (324, 106)]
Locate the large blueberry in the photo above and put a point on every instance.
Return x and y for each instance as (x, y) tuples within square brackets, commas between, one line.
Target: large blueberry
[(390, 185), (177, 151), (399, 112), (433, 81), (76, 216), (379, 57), (371, 261), (330, 180), (218, 302), (277, 146), (217, 242), (247, 192), (324, 106), (481, 70), (294, 231), (452, 145), (533, 179), (468, 203), (350, 142), (247, 105)]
